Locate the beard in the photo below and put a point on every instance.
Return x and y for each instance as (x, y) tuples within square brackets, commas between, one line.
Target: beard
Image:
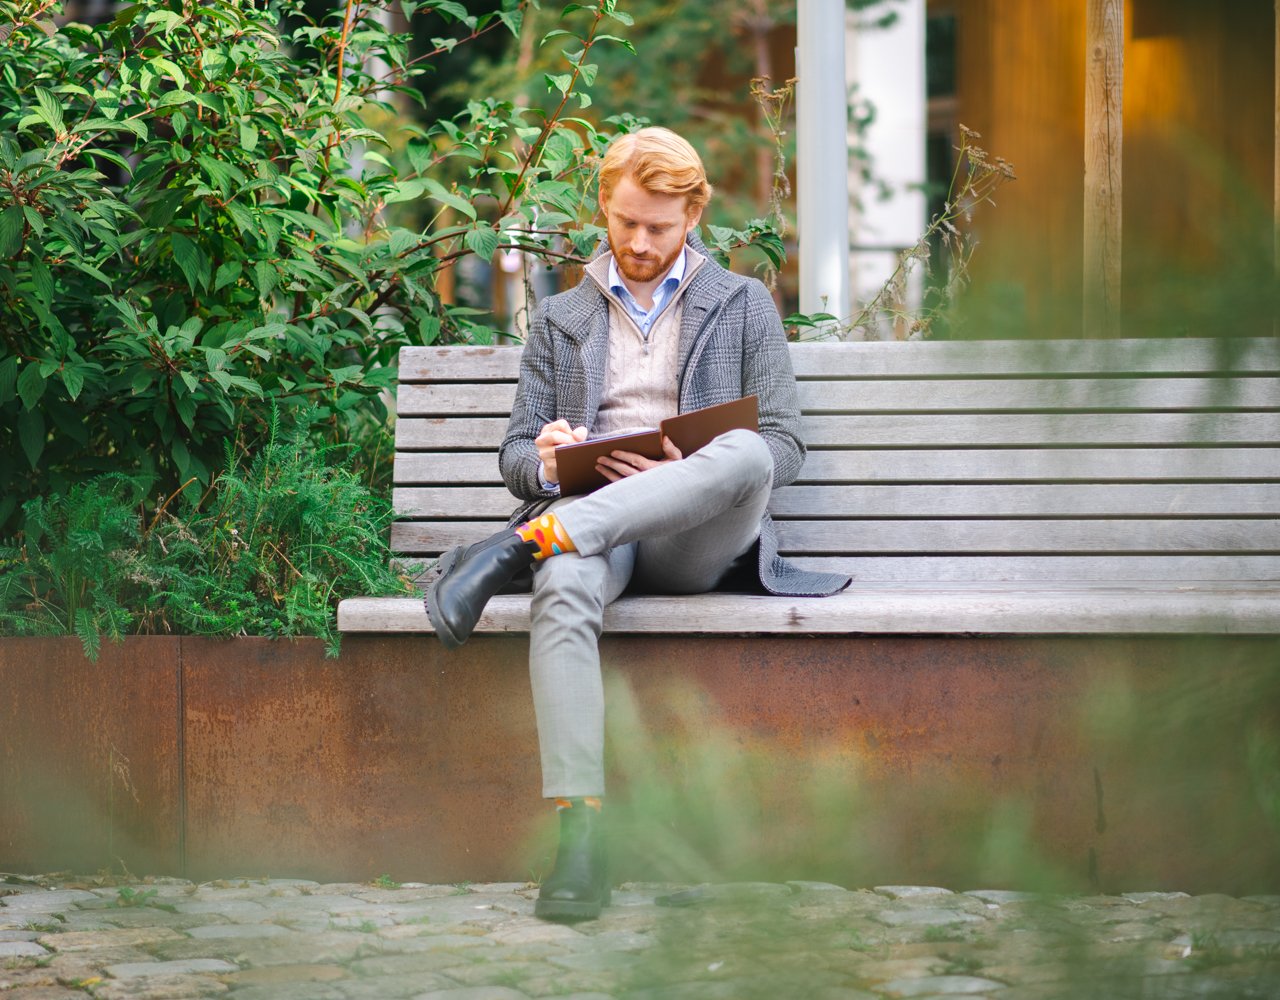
[(647, 268)]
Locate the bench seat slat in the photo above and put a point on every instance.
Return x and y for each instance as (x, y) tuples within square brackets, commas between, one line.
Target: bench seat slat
[(1259, 355), (1031, 536), (1046, 569), (930, 431), (916, 466), (898, 395), (924, 537), (1137, 500), (1063, 465), (1037, 357), (1021, 608)]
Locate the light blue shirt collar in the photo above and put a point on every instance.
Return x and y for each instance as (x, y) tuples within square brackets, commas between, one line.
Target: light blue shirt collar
[(661, 295)]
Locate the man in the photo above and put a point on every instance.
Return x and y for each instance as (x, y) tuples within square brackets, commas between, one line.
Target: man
[(654, 328)]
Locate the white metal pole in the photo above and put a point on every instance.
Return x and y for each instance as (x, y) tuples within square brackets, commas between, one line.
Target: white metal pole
[(822, 158)]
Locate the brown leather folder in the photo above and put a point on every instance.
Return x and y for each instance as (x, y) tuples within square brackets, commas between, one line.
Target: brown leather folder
[(688, 432)]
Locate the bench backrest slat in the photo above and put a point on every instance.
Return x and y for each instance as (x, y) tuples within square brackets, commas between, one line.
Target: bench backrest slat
[(1127, 460)]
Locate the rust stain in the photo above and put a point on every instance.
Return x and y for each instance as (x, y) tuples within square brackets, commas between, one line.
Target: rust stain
[(403, 759)]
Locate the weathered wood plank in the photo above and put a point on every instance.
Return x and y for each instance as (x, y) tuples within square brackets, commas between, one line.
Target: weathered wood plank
[(1058, 537), (1047, 568), (1038, 395), (978, 430), (915, 466), (459, 364), (925, 395), (1067, 464), (447, 467), (429, 538), (444, 433), (1155, 500), (986, 358), (885, 608), (937, 537), (453, 501), (925, 431), (1075, 500), (948, 359)]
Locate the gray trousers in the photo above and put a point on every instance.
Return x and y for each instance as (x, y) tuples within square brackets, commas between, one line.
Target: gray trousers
[(674, 529)]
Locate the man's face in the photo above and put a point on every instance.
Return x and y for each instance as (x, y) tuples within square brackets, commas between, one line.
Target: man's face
[(646, 230)]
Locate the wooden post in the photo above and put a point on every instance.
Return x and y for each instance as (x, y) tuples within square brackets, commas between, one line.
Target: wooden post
[(1103, 146)]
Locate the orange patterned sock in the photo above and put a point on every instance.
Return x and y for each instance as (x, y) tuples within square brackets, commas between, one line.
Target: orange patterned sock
[(548, 534), (593, 801)]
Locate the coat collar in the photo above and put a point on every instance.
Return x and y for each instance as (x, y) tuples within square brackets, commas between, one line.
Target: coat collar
[(585, 309)]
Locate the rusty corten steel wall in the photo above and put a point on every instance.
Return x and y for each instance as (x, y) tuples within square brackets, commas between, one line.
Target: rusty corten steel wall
[(1076, 762), (390, 759), (89, 756)]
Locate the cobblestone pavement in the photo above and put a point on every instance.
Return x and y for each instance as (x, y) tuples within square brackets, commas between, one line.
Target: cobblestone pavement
[(282, 939)]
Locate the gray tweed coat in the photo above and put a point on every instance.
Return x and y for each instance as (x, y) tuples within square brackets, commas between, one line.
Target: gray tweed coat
[(731, 345)]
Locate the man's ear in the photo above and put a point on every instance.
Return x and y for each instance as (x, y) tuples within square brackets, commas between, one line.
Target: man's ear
[(692, 217)]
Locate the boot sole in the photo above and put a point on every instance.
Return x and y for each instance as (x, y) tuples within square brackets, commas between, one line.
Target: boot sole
[(443, 632), (566, 910)]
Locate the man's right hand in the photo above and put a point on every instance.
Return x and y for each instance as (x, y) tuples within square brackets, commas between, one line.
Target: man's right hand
[(553, 434)]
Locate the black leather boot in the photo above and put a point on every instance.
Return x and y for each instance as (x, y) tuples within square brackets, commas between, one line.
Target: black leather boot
[(468, 578), (579, 886)]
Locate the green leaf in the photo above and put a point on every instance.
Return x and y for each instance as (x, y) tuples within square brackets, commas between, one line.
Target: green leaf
[(438, 193), (50, 110), (11, 223), (8, 378), (349, 373), (172, 98), (246, 384), (192, 383), (31, 385), (73, 379), (408, 191), (192, 259), (482, 242), (248, 135), (167, 20), (452, 8), (31, 432), (162, 65), (265, 278), (513, 19), (227, 274), (558, 81)]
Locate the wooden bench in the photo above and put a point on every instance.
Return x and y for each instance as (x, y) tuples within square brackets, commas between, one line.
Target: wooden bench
[(1008, 488)]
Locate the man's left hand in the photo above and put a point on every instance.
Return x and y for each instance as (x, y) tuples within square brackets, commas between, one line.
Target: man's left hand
[(620, 464)]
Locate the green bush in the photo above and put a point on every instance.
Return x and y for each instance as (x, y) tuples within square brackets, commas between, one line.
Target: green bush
[(201, 236), (194, 223)]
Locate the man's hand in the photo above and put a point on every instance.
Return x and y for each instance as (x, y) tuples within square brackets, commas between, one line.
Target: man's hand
[(620, 464), (556, 433)]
